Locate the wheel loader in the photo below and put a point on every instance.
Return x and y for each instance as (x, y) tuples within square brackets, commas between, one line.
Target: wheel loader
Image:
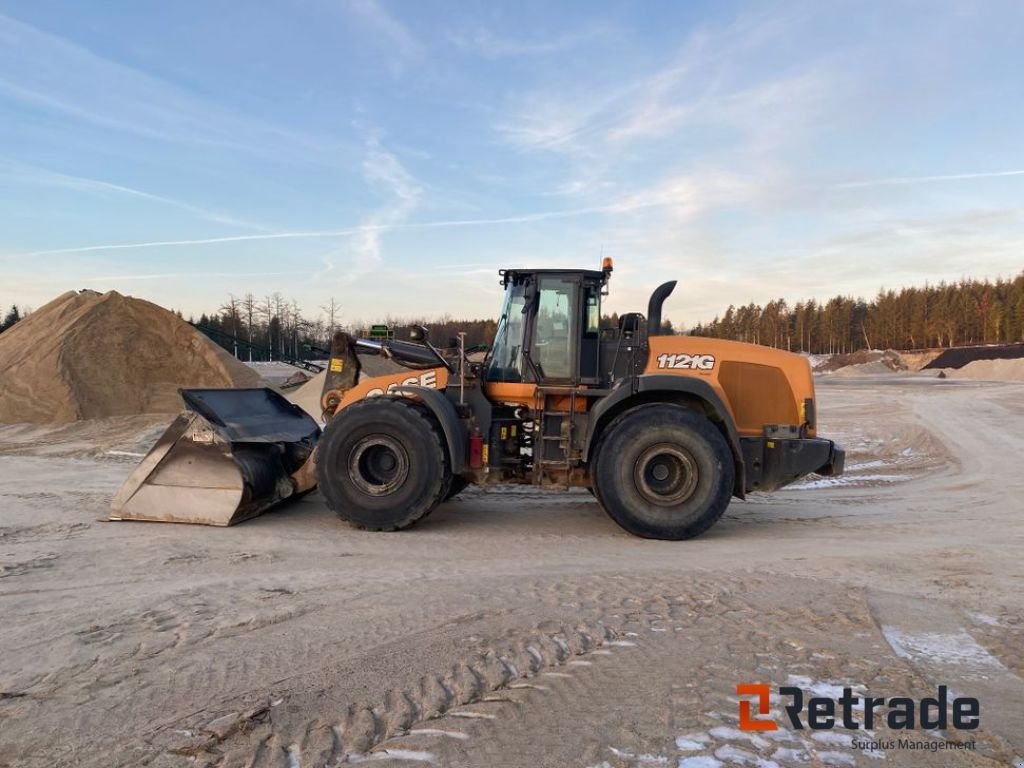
[(664, 430)]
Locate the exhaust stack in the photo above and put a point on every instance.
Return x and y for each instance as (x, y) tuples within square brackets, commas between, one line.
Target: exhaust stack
[(661, 293)]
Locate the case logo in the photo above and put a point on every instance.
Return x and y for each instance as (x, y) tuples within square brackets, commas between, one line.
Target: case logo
[(687, 362), (428, 379)]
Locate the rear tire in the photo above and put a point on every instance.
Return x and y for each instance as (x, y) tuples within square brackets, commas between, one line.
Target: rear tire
[(663, 472), (382, 465)]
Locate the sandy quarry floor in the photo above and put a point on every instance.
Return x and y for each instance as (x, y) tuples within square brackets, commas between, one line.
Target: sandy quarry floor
[(520, 628)]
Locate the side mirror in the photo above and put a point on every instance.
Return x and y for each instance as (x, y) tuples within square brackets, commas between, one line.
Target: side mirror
[(418, 333)]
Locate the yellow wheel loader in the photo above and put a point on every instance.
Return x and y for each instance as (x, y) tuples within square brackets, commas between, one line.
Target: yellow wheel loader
[(663, 430)]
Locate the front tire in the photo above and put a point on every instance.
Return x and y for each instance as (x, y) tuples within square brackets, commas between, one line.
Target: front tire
[(458, 485), (381, 464), (663, 472)]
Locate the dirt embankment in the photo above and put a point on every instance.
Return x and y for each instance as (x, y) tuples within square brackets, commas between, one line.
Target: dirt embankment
[(959, 357), (888, 360), (88, 355), (992, 363), (915, 361)]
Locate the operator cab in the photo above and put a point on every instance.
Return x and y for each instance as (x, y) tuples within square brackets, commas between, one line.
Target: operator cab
[(549, 331)]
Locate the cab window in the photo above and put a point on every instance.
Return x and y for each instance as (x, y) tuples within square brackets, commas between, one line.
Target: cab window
[(555, 328), (506, 356)]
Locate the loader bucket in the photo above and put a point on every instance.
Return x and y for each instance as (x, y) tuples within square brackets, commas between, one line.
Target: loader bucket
[(231, 455)]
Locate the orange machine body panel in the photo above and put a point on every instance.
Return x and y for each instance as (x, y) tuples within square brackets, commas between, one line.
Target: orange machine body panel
[(432, 378), (760, 385), (511, 392), (526, 394)]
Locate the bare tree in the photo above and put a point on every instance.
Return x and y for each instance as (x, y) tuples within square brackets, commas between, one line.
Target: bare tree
[(230, 309), (249, 308), (266, 311), (331, 310), (280, 306), (297, 324)]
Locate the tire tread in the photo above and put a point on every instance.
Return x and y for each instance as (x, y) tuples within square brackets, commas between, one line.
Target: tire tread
[(414, 410)]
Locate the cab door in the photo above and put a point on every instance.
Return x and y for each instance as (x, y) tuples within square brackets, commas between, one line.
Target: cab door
[(554, 344)]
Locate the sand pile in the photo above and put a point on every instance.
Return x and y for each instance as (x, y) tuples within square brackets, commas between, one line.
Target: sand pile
[(89, 355), (297, 379), (915, 361), (874, 368), (990, 370), (307, 396), (862, 363)]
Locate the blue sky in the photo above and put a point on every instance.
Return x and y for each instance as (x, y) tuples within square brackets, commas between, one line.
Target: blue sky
[(394, 153)]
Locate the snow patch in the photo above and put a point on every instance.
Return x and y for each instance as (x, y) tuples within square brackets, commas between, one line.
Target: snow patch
[(847, 480), (403, 754), (958, 648), (438, 732), (734, 734), (836, 758), (691, 742), (835, 739), (472, 715), (788, 754), (739, 756), (700, 761), (643, 759)]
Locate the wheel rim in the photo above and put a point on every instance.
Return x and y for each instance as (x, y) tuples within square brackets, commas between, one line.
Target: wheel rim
[(378, 465), (665, 474)]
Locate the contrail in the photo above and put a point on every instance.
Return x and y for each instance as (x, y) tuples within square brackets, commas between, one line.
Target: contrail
[(520, 219), (313, 234), (900, 180), (170, 275), (36, 175), (202, 241)]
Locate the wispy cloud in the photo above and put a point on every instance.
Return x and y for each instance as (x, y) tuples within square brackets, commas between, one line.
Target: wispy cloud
[(56, 75), (483, 42), (688, 194), (399, 40), (42, 176), (383, 171), (706, 129), (697, 80)]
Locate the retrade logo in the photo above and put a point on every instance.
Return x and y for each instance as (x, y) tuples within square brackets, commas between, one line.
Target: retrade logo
[(823, 713), (763, 694)]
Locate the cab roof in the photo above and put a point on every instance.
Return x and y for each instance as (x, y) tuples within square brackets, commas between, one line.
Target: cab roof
[(514, 275)]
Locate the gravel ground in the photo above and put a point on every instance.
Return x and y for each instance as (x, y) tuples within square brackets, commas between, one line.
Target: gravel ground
[(519, 628)]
